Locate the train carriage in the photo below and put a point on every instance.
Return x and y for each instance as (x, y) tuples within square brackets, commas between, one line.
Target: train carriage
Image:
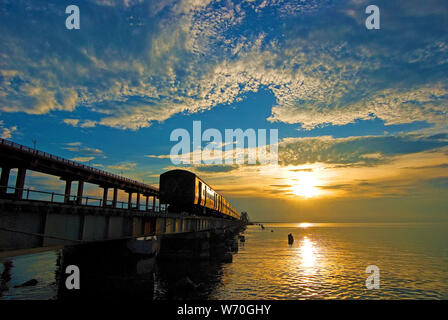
[(185, 191)]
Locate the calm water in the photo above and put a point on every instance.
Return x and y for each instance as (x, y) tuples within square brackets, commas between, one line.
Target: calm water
[(326, 261)]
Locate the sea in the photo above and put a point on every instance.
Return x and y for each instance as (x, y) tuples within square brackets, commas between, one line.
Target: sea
[(325, 261)]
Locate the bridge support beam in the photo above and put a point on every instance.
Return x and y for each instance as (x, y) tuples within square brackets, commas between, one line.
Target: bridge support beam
[(130, 201), (154, 204), (114, 201), (80, 192), (147, 203), (68, 190), (4, 179), (138, 200), (20, 182), (105, 196)]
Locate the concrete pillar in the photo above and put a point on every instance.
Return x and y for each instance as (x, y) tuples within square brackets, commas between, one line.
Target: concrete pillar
[(160, 205), (154, 204), (20, 182), (138, 200), (68, 190), (114, 200), (4, 179), (130, 201), (147, 203), (80, 192), (105, 196)]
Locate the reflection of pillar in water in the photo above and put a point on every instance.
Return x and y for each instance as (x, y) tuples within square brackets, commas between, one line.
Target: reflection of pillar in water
[(5, 276), (107, 271)]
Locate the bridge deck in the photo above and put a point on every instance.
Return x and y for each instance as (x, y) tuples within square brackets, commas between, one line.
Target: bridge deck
[(14, 155)]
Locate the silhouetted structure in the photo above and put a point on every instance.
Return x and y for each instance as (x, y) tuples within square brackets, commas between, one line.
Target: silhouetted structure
[(290, 239)]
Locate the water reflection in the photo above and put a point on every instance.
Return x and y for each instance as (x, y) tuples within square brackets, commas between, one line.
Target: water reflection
[(307, 253), (325, 262)]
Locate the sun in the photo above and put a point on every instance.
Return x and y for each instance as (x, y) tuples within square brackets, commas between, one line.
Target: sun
[(306, 185)]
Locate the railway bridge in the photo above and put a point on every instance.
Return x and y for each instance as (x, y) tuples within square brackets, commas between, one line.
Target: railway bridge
[(33, 220)]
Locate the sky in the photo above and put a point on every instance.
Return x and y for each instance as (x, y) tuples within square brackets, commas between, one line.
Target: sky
[(361, 114)]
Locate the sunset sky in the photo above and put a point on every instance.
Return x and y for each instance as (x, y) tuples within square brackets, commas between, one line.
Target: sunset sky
[(361, 114)]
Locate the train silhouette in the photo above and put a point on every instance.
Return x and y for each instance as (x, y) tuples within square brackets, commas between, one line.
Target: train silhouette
[(184, 191)]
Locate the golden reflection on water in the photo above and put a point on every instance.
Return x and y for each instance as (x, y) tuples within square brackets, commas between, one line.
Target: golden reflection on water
[(328, 261), (307, 253)]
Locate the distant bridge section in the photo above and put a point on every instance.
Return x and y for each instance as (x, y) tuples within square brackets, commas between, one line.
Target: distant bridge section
[(23, 158)]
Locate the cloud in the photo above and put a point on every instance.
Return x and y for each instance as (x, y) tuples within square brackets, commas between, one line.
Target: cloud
[(83, 159), (6, 132), (84, 153), (354, 151), (72, 122), (88, 124), (158, 59), (113, 3), (302, 170), (436, 166), (80, 149), (79, 123), (215, 168), (123, 166)]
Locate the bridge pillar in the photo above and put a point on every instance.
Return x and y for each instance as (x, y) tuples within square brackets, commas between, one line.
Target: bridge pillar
[(114, 201), (4, 179), (147, 202), (154, 204), (138, 200), (160, 205), (130, 201), (105, 196), (20, 182), (68, 190), (80, 192)]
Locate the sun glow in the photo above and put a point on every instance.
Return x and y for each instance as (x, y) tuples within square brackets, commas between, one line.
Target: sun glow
[(306, 185), (304, 225)]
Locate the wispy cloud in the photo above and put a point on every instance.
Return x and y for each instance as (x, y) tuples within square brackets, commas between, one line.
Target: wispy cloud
[(79, 123), (6, 132), (83, 159), (125, 166)]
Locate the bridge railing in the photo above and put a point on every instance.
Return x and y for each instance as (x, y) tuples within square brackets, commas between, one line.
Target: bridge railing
[(54, 197), (71, 162)]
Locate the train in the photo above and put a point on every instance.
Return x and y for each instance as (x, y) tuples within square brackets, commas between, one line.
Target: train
[(184, 191)]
